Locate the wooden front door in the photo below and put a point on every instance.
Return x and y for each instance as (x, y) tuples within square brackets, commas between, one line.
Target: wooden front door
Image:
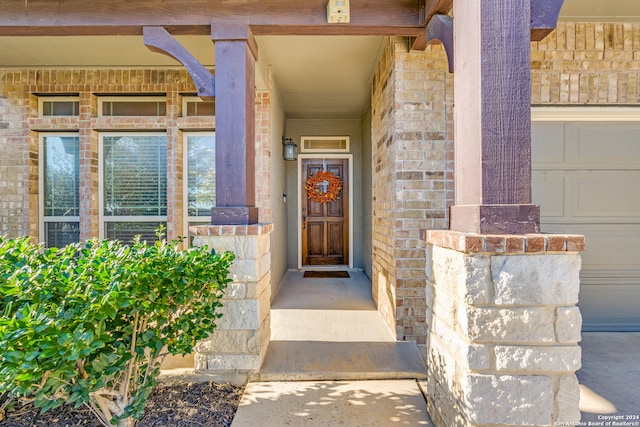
[(325, 226)]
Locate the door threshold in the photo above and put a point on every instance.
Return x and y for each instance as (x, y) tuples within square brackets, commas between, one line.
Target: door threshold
[(327, 267)]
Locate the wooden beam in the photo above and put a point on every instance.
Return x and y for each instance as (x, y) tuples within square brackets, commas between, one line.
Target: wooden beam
[(493, 118), (126, 17), (440, 30), (426, 10), (157, 39), (235, 125), (544, 17)]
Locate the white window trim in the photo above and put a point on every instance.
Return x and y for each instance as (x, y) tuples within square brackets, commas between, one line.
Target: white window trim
[(42, 218), (324, 150), (185, 183), (43, 99), (186, 100), (101, 217), (585, 114), (131, 99)]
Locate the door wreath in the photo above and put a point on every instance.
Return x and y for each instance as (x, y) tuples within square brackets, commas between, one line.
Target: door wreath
[(323, 187)]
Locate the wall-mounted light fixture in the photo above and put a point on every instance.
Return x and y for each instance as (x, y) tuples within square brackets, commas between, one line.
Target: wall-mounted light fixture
[(338, 12), (289, 148)]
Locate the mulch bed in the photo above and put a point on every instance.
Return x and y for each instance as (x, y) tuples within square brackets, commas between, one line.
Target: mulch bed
[(175, 404)]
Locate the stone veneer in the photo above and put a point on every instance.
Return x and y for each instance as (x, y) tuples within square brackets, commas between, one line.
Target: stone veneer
[(503, 329), (236, 348)]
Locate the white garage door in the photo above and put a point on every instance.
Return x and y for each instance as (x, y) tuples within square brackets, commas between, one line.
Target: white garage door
[(586, 179)]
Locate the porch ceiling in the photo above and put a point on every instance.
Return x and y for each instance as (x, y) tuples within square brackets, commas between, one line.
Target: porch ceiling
[(317, 76)]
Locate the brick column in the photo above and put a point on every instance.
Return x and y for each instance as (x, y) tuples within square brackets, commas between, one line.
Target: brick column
[(504, 329), (236, 348)]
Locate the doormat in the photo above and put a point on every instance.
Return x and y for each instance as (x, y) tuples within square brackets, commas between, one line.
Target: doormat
[(320, 274)]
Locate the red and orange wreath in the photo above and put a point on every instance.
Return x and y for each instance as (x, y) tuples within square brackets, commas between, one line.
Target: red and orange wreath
[(323, 187)]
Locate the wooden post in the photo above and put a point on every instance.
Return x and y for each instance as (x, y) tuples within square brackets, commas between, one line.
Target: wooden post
[(235, 56), (492, 118)]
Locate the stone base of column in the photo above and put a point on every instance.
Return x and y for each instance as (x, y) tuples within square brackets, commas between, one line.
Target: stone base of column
[(503, 329), (495, 219), (236, 348)]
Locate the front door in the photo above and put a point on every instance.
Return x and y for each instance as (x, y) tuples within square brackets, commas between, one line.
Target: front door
[(325, 212)]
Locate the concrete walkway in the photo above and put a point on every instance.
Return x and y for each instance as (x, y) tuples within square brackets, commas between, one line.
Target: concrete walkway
[(610, 377), (324, 331)]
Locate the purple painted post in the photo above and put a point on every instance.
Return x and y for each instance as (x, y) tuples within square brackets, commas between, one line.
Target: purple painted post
[(235, 55), (493, 118)]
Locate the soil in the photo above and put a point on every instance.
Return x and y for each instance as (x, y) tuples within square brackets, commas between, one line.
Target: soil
[(174, 404)]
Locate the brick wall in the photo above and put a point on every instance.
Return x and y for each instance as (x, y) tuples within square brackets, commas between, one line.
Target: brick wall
[(579, 63), (412, 177), (20, 124), (263, 155), (587, 63)]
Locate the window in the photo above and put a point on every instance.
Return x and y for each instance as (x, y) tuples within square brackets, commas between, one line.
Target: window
[(200, 182), (134, 185), (194, 106), (325, 144), (154, 106), (60, 180), (58, 106)]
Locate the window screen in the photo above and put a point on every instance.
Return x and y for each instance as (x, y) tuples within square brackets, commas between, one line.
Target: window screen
[(134, 184), (201, 174), (61, 194)]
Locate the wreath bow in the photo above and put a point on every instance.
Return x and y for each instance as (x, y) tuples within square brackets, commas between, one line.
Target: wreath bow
[(323, 187)]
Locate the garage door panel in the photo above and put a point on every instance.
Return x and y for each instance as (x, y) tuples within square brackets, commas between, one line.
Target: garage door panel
[(548, 191), (611, 249), (598, 145), (549, 147), (586, 179), (606, 308), (606, 194)]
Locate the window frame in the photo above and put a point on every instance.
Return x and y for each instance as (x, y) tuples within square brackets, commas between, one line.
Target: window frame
[(41, 190), (186, 99), (324, 150), (188, 219), (102, 222), (130, 99), (68, 98)]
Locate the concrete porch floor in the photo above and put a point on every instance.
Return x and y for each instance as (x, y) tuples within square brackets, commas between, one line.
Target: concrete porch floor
[(329, 329), (333, 361)]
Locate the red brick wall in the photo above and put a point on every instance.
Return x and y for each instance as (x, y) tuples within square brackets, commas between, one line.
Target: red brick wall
[(20, 124)]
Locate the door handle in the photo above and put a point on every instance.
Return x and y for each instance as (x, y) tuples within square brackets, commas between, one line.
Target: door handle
[(304, 218)]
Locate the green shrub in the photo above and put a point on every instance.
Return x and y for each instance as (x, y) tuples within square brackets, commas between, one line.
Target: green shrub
[(90, 323)]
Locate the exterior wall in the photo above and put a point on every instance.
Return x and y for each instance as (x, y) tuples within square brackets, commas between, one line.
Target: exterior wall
[(587, 63), (278, 187), (503, 329), (367, 198), (579, 63), (296, 128), (20, 124), (412, 137)]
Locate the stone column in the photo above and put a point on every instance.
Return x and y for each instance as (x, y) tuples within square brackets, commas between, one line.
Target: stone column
[(504, 329), (236, 348)]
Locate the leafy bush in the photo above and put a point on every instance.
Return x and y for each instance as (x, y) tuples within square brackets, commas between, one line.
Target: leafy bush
[(91, 323)]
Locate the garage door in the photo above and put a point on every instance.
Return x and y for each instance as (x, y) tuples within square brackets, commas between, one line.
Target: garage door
[(586, 179)]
